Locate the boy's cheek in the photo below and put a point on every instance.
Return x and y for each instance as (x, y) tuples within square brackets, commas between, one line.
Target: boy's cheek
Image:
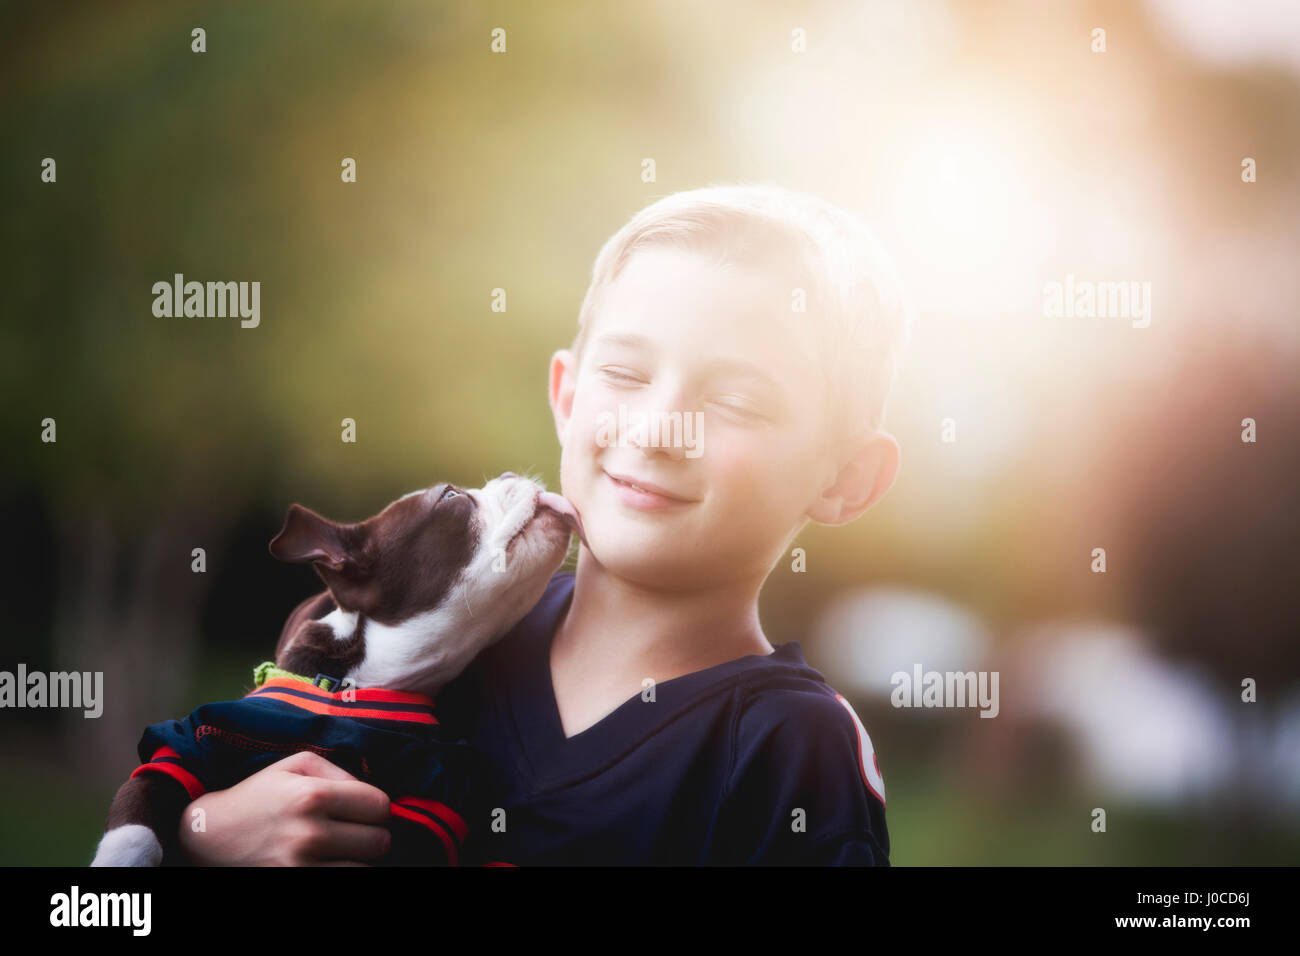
[(584, 430), (764, 493), (751, 499)]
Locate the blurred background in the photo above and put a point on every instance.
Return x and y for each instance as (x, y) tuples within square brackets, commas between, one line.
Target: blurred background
[(991, 147)]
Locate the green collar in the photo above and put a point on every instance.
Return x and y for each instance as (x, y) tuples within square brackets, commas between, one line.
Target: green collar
[(268, 671)]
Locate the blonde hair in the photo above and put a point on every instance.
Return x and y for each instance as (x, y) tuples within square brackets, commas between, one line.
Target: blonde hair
[(855, 302)]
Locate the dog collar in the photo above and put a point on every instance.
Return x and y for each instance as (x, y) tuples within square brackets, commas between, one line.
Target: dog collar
[(361, 703), (268, 671)]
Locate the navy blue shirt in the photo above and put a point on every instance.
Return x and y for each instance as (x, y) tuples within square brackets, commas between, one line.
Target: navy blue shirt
[(753, 761)]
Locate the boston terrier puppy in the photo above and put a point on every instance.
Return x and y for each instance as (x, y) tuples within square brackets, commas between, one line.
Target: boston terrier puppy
[(412, 595)]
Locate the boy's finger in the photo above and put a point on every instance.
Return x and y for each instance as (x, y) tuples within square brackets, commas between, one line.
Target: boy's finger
[(356, 801), (343, 843), (312, 765), (340, 863)]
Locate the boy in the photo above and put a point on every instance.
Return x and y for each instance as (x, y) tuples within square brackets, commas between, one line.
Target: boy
[(638, 714)]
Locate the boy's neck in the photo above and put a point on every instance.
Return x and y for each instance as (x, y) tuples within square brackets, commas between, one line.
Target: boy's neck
[(621, 631)]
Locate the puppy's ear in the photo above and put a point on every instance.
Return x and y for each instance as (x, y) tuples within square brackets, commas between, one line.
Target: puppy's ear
[(306, 536)]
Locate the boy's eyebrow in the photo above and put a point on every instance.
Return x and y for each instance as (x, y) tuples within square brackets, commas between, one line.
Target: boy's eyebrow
[(734, 366), (623, 338)]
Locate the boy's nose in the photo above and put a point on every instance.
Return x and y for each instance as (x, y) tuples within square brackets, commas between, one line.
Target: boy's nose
[(670, 451)]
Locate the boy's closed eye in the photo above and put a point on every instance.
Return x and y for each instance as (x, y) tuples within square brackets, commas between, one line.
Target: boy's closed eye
[(622, 376), (735, 405), (739, 407)]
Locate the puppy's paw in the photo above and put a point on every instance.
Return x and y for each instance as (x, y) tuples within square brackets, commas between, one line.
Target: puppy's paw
[(129, 845)]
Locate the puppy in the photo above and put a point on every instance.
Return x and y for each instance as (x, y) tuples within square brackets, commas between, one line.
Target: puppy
[(412, 595)]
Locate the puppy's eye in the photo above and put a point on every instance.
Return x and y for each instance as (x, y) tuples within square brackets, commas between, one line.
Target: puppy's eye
[(450, 492)]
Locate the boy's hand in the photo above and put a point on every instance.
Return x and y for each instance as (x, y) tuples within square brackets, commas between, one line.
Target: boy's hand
[(300, 811)]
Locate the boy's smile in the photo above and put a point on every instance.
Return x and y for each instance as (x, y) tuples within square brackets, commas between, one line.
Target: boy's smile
[(677, 336), (645, 495)]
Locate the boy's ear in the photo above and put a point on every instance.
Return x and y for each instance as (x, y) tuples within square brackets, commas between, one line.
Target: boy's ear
[(861, 481), (562, 384)]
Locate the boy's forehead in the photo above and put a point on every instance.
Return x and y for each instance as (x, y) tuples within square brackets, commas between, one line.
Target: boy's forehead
[(668, 297)]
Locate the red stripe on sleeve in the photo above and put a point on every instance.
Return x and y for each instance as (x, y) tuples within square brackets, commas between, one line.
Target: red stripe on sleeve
[(177, 772), (400, 811), (441, 811)]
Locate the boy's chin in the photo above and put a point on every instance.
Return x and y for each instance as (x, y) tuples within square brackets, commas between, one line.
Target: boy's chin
[(643, 559), (671, 565)]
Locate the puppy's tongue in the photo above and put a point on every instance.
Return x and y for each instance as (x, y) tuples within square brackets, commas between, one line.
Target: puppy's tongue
[(561, 506)]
